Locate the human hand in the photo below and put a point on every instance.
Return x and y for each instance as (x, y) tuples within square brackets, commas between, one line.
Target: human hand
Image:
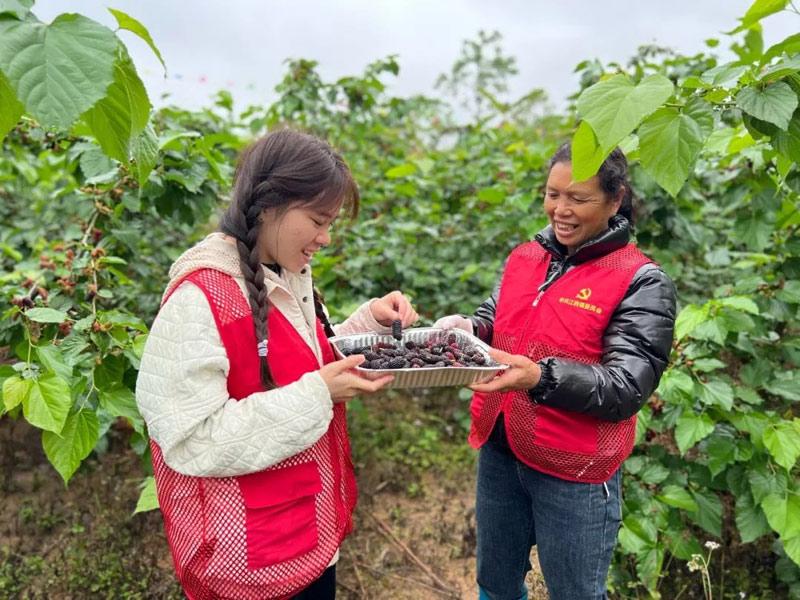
[(344, 384), (454, 322), (522, 373), (394, 306)]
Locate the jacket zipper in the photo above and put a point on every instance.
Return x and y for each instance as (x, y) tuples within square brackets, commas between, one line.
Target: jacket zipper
[(557, 272)]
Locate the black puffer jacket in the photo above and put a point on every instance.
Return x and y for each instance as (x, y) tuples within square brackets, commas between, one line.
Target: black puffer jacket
[(636, 344)]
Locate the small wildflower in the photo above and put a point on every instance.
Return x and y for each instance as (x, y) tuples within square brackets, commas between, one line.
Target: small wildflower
[(711, 545), (694, 564)]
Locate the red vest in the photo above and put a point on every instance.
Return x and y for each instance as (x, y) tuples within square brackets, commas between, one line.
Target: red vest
[(567, 320), (271, 533)]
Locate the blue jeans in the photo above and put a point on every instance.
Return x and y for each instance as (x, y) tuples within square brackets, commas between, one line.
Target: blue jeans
[(574, 525)]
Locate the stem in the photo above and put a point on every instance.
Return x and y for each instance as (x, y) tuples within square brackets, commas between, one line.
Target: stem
[(685, 587), (89, 227), (88, 394)]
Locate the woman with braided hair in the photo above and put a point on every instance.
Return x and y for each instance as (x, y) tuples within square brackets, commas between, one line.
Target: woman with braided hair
[(240, 390)]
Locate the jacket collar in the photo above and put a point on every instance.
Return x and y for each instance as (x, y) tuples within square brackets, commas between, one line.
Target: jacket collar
[(615, 237)]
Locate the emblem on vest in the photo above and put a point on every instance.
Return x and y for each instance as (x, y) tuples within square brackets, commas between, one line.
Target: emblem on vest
[(580, 301)]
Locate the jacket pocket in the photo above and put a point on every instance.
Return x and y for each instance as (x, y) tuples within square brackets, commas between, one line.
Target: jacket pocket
[(564, 430), (280, 511)]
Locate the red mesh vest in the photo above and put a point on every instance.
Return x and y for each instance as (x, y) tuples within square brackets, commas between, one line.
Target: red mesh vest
[(566, 320), (267, 534)]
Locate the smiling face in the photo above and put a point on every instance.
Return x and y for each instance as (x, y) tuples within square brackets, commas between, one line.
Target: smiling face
[(577, 211), (291, 237)]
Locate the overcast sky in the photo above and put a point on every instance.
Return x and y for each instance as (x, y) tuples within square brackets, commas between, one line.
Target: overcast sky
[(240, 45)]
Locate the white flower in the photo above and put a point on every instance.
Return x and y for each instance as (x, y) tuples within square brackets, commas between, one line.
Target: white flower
[(695, 563), (711, 545)]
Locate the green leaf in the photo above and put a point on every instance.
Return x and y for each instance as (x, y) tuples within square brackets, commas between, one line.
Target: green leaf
[(789, 45), (675, 385), (51, 357), (783, 442), (775, 103), (16, 8), (15, 391), (705, 365), (692, 428), (669, 142), (790, 292), (702, 113), (721, 452), (709, 511), (716, 392), (403, 170), (682, 544), (785, 384), (587, 155), (654, 472), (138, 345), (758, 10), (781, 69), (792, 548), (48, 402), (750, 519), (741, 303), (144, 151), (122, 113), (67, 450), (120, 401), (765, 481), (12, 108), (94, 164), (678, 497), (46, 315), (788, 142), (615, 107), (491, 195), (127, 22), (644, 529), (722, 74), (59, 70), (748, 395), (783, 513), (688, 319), (148, 498)]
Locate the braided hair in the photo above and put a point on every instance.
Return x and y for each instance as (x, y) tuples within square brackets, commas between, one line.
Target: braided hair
[(283, 169), (613, 176)]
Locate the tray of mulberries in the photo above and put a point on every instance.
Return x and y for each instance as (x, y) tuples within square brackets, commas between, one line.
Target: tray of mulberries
[(424, 357)]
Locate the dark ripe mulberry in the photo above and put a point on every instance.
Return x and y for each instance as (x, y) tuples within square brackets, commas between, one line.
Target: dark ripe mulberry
[(429, 358), (397, 363), (397, 330), (451, 339), (433, 352)]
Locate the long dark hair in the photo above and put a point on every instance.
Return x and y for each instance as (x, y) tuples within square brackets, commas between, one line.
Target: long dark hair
[(281, 169), (613, 176)]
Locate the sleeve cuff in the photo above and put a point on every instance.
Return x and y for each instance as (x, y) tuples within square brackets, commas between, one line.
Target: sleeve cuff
[(361, 321), (547, 382)]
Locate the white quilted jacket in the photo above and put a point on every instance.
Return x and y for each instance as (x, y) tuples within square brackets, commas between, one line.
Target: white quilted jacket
[(181, 390)]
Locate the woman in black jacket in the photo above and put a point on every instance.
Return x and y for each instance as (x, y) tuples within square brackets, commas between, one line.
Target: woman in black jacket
[(585, 322)]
